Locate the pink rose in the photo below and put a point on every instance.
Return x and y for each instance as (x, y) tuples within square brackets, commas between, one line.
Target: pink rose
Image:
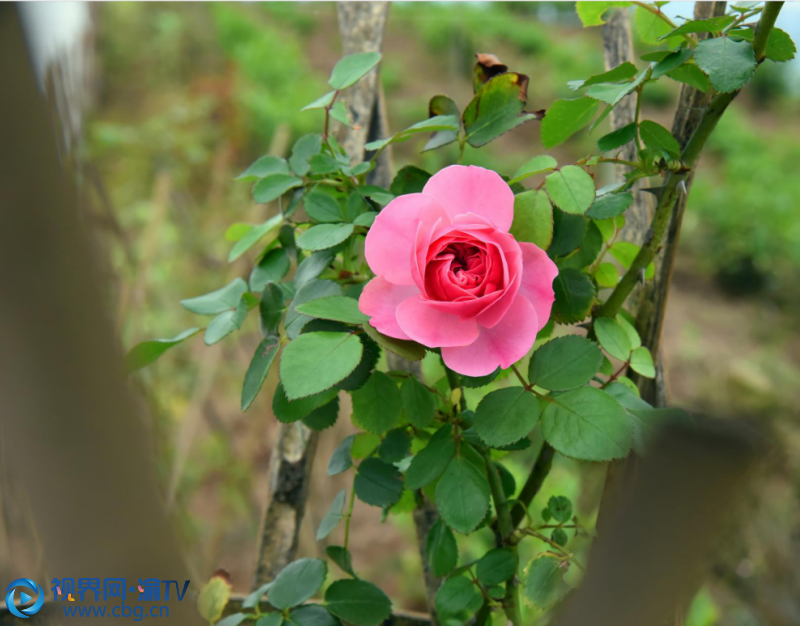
[(449, 275)]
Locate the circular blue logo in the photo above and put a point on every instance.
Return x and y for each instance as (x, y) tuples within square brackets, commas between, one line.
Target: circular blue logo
[(24, 597)]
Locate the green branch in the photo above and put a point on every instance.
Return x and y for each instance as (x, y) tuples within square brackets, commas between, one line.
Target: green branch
[(674, 184)]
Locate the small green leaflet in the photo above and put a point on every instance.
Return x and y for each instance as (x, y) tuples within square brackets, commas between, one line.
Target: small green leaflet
[(377, 404), (352, 68), (575, 295), (497, 566), (496, 108), (642, 362), (656, 137), (314, 362), (564, 118), (378, 483), (564, 363), (217, 301), (358, 602), (297, 582), (617, 138), (258, 369), (341, 460), (430, 462), (613, 338), (274, 186), (506, 415), (533, 218), (537, 165), (253, 236), (441, 549), (264, 166), (142, 354), (321, 102), (462, 495), (418, 403), (610, 205), (324, 236), (571, 189), (544, 582), (225, 323), (591, 13), (457, 594), (711, 25), (624, 72), (336, 308), (321, 207), (560, 508), (333, 516), (587, 424), (728, 64)]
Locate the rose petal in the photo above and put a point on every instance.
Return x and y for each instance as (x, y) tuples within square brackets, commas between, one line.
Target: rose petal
[(470, 189), (538, 274), (503, 345), (380, 299), (390, 240), (433, 328)]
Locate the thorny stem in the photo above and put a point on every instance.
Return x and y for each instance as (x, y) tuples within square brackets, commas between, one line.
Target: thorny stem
[(674, 184)]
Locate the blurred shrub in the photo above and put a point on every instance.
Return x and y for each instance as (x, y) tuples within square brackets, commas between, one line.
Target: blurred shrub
[(742, 219)]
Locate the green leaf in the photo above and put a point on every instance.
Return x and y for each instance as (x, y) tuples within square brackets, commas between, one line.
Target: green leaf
[(622, 73), (395, 446), (613, 338), (537, 165), (571, 189), (691, 75), (606, 275), (587, 424), (272, 267), (326, 164), (288, 412), (506, 415), (144, 353), (497, 566), (441, 549), (274, 186), (462, 495), (258, 369), (544, 582), (564, 363), (321, 102), (264, 166), (225, 323), (337, 308), (496, 108), (254, 599), (633, 335), (410, 179), (568, 232), (610, 205), (311, 267), (378, 483), (233, 620), (430, 462), (650, 26), (270, 619), (656, 137), (315, 362), (253, 236), (352, 68), (670, 62), (365, 219), (418, 403), (455, 595), (376, 406), (565, 118), (213, 598), (728, 64), (533, 218), (364, 445), (476, 382), (321, 207), (312, 615), (271, 308), (323, 417), (297, 582), (334, 515), (312, 290), (324, 236), (591, 13), (712, 25), (341, 460), (442, 105), (363, 371), (304, 148), (342, 557), (340, 113), (780, 46), (358, 602), (590, 247), (642, 362), (575, 295), (217, 301), (409, 350), (560, 508), (617, 138), (625, 252)]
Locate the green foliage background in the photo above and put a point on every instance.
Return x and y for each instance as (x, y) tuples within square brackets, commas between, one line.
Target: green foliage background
[(189, 95)]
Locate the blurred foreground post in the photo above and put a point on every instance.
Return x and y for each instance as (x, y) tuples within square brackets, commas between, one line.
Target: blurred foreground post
[(68, 419)]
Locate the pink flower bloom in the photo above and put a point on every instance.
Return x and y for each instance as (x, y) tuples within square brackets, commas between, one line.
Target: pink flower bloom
[(449, 275)]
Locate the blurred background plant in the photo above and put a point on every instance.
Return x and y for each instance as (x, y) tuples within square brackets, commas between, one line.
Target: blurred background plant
[(188, 95)]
